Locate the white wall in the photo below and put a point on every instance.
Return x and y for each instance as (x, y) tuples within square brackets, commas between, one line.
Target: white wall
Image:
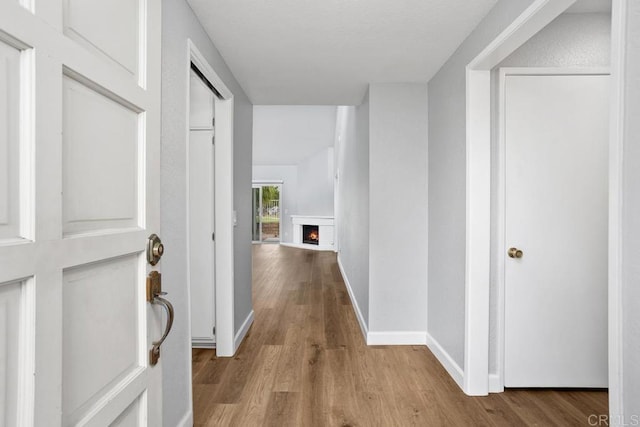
[(629, 232), (447, 188), (288, 134), (315, 184), (570, 40), (178, 24), (352, 202), (299, 137), (307, 188), (398, 207), (289, 177)]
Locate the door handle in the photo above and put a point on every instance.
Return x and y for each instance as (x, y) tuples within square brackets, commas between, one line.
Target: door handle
[(514, 253), (154, 292)]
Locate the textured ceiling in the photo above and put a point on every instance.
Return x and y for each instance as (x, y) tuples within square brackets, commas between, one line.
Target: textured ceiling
[(317, 52)]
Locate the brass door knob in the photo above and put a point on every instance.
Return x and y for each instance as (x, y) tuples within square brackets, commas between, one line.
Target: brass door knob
[(514, 253)]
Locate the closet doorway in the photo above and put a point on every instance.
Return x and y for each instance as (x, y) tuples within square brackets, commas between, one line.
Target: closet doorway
[(201, 208)]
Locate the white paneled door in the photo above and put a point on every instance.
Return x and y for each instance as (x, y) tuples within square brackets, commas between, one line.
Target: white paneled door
[(79, 194), (556, 210)]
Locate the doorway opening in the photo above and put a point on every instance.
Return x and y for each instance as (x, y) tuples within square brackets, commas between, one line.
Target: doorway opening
[(482, 358), (201, 209), (267, 202), (218, 238)]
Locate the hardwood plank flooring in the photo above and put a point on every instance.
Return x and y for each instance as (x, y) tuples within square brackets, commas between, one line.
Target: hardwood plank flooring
[(304, 363)]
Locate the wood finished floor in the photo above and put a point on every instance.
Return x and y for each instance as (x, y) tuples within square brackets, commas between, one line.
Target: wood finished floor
[(304, 363)]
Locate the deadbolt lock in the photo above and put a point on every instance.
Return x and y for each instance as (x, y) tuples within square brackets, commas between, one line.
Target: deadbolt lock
[(155, 249), (514, 253)]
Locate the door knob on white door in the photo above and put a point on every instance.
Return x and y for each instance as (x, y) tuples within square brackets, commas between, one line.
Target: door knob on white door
[(514, 253)]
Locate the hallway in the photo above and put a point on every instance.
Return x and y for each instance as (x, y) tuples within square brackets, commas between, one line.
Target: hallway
[(304, 363)]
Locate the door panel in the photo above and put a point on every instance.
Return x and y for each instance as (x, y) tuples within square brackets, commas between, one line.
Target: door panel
[(201, 244), (11, 335), (92, 365), (100, 136), (201, 104), (556, 133), (91, 23), (79, 127), (130, 417), (9, 142)]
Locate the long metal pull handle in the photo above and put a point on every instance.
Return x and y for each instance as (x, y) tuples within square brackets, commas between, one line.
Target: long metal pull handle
[(154, 292), (154, 354)]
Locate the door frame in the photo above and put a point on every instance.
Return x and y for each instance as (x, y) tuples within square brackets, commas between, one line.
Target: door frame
[(223, 209), (269, 183), (497, 384), (476, 379), (204, 342)]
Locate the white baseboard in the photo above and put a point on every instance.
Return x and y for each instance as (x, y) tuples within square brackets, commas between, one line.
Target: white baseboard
[(354, 302), (242, 331), (495, 384), (310, 247), (187, 420), (377, 337), (397, 338), (446, 361)]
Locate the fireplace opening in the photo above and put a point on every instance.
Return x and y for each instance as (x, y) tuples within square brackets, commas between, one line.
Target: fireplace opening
[(310, 234)]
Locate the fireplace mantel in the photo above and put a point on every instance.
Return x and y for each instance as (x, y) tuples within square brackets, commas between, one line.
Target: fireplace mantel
[(325, 231)]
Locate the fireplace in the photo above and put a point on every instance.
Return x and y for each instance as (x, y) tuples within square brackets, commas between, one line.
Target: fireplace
[(310, 234)]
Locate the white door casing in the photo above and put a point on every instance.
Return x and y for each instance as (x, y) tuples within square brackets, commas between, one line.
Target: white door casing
[(79, 194), (226, 342), (475, 379), (554, 142), (201, 212)]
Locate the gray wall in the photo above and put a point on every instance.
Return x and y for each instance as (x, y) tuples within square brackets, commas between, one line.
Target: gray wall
[(630, 231), (178, 24), (570, 40), (289, 177), (352, 199), (242, 143), (398, 207), (381, 205), (447, 186)]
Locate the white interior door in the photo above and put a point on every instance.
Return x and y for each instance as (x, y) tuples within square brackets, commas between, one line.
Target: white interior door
[(556, 136), (79, 194), (201, 212)]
